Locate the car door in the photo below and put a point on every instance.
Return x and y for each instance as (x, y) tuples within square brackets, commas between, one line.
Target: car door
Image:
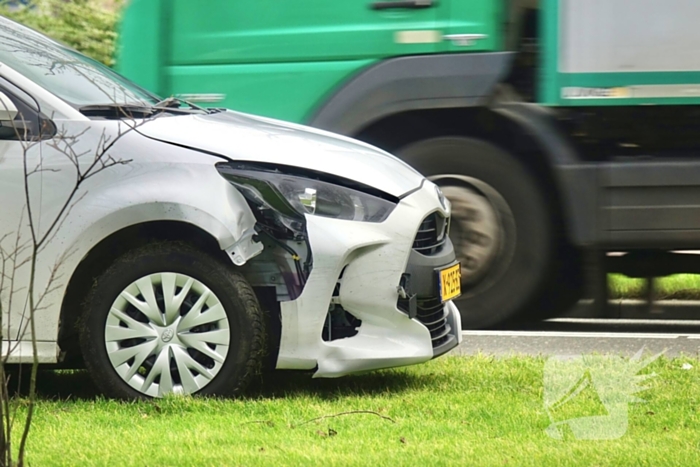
[(20, 174), (278, 58)]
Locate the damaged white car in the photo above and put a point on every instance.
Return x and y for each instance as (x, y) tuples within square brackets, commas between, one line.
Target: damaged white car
[(180, 250)]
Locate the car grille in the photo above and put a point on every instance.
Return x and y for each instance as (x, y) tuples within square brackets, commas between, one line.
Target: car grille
[(431, 312), (432, 235)]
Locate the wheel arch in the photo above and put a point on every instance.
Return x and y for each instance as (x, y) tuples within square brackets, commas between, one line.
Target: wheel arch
[(104, 252), (409, 83)]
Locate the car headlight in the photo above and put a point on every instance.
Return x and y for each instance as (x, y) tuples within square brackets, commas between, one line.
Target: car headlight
[(294, 195)]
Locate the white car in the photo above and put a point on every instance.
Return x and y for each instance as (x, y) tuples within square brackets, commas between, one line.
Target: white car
[(180, 250)]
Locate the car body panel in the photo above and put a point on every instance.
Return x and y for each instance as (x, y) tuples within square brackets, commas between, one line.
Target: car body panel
[(149, 184), (94, 177), (248, 138), (373, 258), (149, 187)]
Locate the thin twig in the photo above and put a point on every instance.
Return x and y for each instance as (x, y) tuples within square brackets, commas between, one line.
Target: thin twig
[(260, 422), (352, 412)]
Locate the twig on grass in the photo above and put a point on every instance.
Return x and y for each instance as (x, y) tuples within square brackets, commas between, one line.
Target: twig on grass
[(352, 412), (260, 422)]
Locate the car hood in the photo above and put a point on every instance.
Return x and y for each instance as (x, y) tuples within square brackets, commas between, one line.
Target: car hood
[(245, 137)]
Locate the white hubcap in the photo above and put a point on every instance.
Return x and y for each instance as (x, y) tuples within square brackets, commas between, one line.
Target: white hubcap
[(167, 333)]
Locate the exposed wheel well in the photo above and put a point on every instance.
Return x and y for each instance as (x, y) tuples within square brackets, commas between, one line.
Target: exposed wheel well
[(104, 253)]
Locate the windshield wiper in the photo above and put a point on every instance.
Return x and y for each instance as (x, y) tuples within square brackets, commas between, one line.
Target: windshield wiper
[(114, 110), (117, 110), (173, 102)]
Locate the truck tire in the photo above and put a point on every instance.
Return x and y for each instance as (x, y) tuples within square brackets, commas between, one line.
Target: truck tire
[(167, 318), (500, 225)]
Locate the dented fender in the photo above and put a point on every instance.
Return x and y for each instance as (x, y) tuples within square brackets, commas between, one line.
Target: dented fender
[(169, 184)]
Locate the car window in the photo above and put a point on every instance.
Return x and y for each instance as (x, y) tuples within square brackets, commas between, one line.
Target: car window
[(29, 124), (76, 79)]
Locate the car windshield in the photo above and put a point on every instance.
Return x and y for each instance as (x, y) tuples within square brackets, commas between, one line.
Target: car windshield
[(78, 80)]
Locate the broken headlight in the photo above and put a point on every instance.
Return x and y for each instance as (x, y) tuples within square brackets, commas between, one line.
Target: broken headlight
[(293, 195)]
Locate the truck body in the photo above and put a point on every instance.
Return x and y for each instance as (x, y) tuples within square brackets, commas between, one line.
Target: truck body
[(559, 129)]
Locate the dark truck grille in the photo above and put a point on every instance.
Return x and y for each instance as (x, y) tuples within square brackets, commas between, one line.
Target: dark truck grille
[(432, 235)]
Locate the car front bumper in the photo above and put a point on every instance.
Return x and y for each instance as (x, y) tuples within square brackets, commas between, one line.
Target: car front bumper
[(359, 267)]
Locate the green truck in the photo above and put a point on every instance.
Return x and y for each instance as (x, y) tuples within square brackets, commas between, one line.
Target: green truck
[(560, 129)]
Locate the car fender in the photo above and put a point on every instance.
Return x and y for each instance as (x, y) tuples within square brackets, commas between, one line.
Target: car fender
[(142, 190)]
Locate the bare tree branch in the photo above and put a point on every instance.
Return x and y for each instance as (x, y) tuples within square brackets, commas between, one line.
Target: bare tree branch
[(352, 412)]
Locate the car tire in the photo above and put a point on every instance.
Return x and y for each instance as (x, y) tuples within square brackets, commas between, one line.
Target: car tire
[(501, 227), (191, 352)]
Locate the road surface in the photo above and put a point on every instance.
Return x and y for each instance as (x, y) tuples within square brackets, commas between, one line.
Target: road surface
[(570, 336)]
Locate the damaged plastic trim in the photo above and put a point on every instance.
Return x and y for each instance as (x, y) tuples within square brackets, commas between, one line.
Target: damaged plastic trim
[(281, 224), (245, 248)]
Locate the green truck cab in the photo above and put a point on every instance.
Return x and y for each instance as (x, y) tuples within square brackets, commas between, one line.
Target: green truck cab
[(560, 130)]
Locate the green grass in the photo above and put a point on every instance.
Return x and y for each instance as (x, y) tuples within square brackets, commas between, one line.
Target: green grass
[(676, 287), (452, 411)]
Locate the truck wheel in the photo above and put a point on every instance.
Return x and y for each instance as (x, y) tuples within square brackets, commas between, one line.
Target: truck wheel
[(500, 225), (167, 318), (564, 286)]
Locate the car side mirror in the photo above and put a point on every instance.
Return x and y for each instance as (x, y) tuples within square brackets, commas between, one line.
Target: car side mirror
[(8, 110)]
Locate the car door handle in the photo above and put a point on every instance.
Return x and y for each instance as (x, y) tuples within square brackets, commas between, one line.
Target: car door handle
[(411, 4)]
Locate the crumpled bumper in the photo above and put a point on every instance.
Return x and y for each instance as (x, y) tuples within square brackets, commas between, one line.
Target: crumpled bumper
[(371, 259)]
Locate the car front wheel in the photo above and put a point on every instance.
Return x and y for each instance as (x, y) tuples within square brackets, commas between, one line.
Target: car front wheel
[(169, 319)]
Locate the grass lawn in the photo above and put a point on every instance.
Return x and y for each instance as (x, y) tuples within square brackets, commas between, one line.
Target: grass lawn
[(676, 287), (452, 411)]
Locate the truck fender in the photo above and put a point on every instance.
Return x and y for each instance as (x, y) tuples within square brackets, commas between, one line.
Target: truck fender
[(412, 83), (576, 181)]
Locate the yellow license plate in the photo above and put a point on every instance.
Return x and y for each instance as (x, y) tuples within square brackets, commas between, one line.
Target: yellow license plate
[(451, 282)]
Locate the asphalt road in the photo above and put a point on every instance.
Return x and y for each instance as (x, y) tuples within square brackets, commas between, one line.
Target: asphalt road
[(583, 336)]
